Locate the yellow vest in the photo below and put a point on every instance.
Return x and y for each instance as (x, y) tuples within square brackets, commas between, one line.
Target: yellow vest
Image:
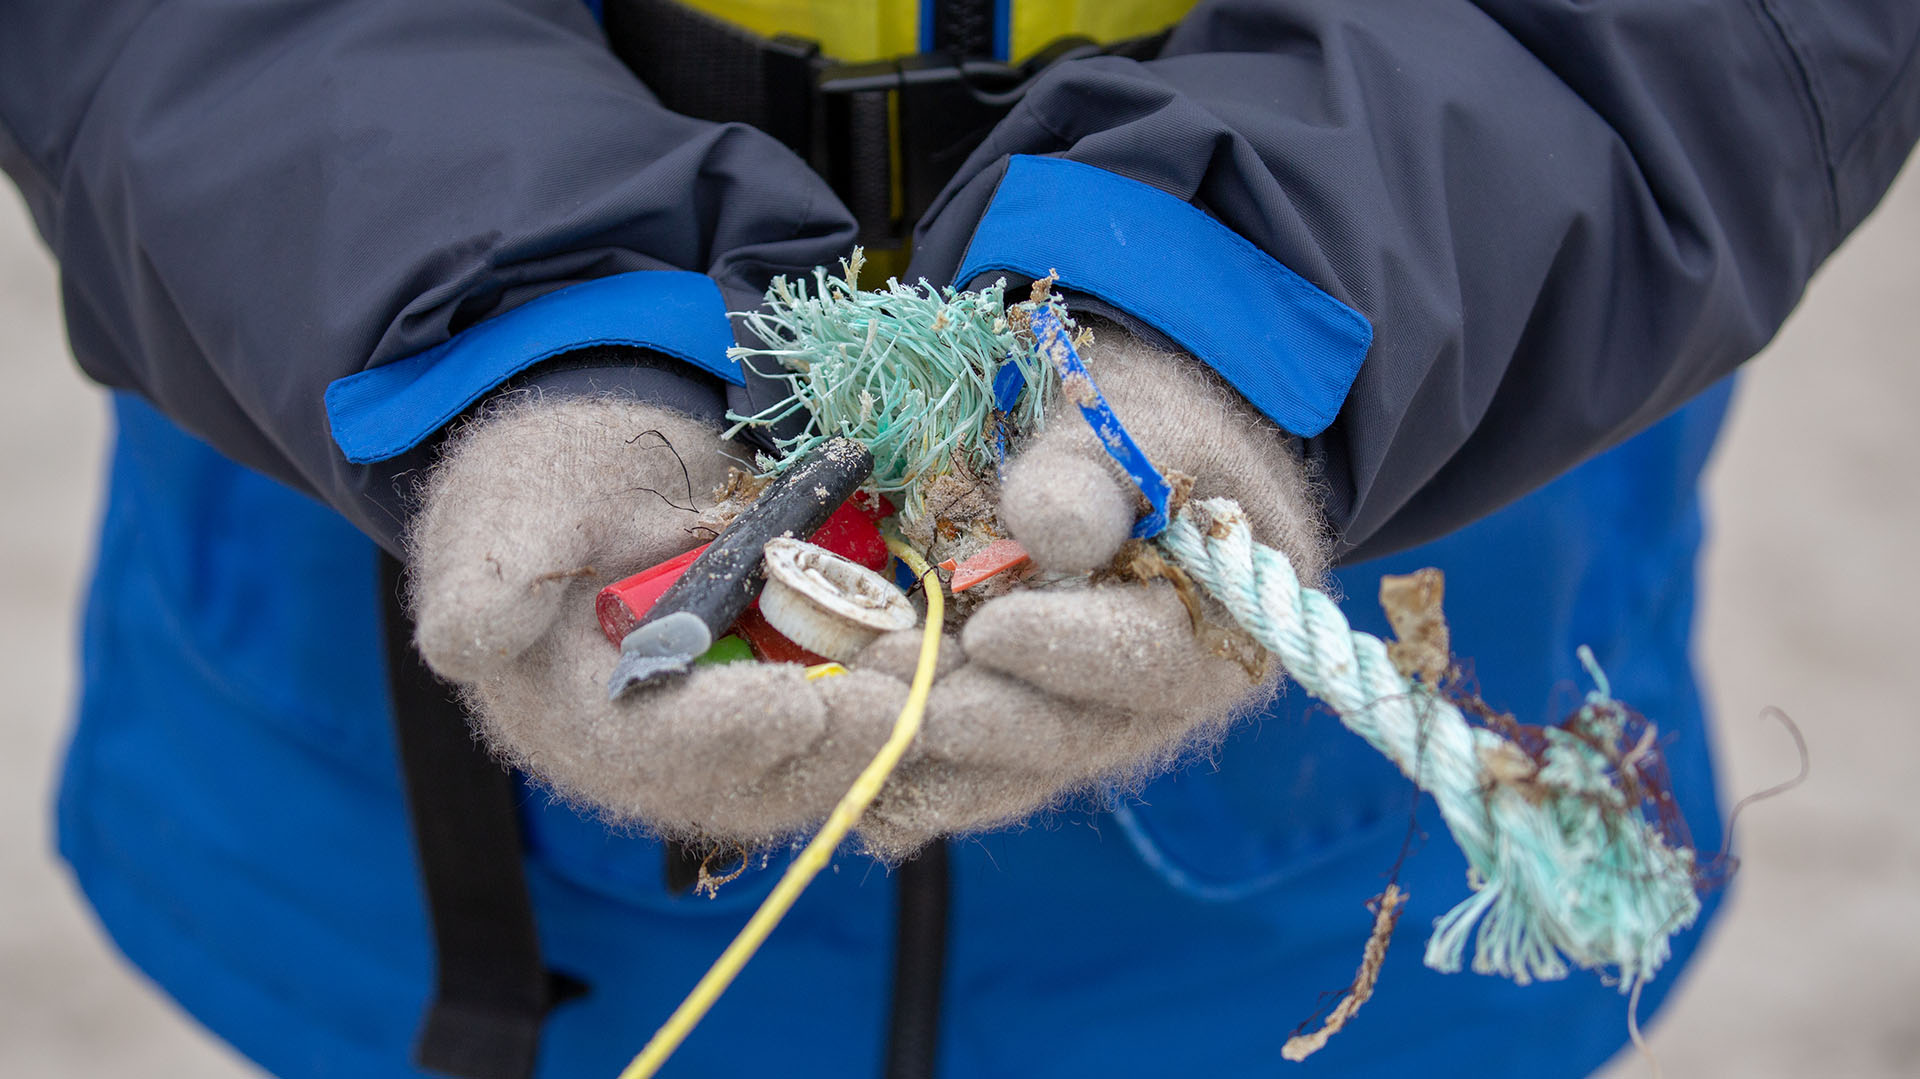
[(858, 31), (861, 30)]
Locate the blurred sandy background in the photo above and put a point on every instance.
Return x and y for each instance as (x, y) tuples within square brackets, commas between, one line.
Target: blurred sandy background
[(1811, 603)]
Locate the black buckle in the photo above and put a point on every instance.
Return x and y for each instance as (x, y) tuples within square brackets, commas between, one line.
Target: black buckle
[(839, 117)]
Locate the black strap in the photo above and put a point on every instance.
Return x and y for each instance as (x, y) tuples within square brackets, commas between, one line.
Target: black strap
[(696, 64), (961, 27), (491, 991), (702, 66), (919, 965), (841, 117)]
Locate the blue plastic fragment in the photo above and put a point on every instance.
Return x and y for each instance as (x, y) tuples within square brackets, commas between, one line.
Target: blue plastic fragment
[(1007, 384), (1051, 336)]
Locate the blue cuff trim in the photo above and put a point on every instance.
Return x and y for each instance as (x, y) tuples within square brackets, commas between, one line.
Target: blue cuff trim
[(384, 411), (1289, 348)]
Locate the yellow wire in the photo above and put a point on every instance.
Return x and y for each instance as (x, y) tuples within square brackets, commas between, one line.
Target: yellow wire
[(816, 854)]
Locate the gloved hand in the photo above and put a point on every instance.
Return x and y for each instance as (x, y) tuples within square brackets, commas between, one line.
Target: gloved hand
[(541, 502), (534, 507), (1064, 688)]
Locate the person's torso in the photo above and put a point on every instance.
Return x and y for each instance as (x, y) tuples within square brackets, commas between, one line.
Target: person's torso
[(232, 803), (233, 807)]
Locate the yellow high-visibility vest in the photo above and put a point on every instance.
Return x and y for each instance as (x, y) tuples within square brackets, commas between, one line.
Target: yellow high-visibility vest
[(858, 31), (861, 30)]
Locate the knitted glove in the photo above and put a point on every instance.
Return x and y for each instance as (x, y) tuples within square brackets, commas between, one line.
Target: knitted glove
[(531, 510), (540, 503)]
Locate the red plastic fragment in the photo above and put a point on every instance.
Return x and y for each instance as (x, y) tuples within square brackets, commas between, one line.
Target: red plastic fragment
[(851, 532), (876, 507), (991, 561), (621, 605), (770, 645)]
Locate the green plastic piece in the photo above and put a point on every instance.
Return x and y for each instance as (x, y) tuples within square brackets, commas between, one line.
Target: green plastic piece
[(728, 649)]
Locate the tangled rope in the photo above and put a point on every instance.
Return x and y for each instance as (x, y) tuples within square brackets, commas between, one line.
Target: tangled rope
[(1562, 862), (915, 374)]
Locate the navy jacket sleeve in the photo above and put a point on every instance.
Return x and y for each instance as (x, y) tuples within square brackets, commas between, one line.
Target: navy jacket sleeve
[(1559, 218), (251, 202)]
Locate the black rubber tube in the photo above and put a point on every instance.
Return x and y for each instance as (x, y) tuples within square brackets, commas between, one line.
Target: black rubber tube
[(729, 573)]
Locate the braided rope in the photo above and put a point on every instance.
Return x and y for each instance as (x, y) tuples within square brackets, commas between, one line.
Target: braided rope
[(1560, 865)]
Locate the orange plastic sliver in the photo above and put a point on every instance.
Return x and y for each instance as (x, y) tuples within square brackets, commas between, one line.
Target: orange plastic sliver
[(997, 558)]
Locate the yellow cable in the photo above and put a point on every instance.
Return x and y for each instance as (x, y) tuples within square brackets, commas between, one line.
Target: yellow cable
[(816, 854)]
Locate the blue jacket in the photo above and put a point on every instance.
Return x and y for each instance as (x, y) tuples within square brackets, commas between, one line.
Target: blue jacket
[(1471, 252)]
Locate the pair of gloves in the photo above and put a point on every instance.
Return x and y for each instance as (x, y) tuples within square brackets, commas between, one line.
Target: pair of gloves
[(541, 501)]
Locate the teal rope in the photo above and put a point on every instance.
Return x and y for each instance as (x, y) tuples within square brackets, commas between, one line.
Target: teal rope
[(1562, 868)]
